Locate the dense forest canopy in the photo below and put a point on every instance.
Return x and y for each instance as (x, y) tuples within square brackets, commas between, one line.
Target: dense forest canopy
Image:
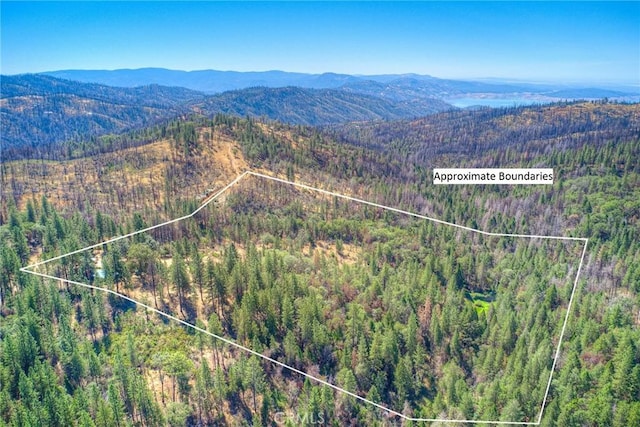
[(430, 321)]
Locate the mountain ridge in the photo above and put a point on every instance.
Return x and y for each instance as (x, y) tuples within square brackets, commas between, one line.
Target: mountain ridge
[(38, 110), (214, 81), (297, 105)]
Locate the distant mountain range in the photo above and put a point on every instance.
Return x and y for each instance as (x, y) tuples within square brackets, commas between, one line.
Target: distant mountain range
[(207, 81), (58, 106), (38, 109), (212, 81)]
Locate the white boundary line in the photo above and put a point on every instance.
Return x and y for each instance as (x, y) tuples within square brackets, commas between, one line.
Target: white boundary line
[(564, 327), (115, 239), (28, 268), (439, 221)]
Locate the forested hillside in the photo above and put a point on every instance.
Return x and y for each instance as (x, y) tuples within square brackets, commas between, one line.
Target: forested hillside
[(296, 105), (522, 132), (41, 116), (37, 111), (429, 321)]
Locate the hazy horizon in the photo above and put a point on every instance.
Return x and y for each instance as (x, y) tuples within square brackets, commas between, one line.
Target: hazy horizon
[(553, 42), (488, 80)]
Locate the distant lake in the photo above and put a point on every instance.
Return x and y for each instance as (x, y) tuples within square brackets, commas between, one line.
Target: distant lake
[(492, 102)]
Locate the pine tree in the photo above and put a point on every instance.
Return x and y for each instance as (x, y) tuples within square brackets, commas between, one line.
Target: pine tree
[(116, 405), (254, 379), (180, 279)]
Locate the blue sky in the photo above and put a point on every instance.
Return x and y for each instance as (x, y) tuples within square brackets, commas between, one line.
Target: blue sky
[(538, 41)]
